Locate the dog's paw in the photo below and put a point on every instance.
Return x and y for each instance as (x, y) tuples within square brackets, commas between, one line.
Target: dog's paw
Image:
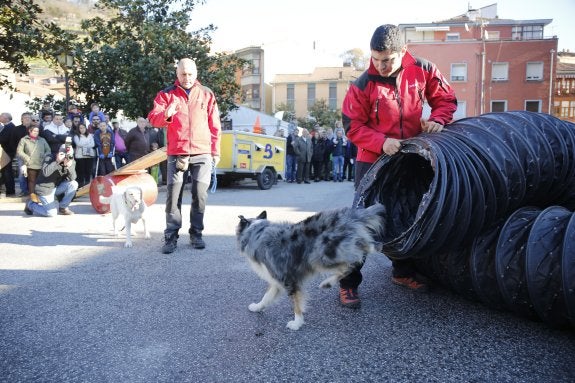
[(255, 307), (295, 324), (329, 282), (147, 236), (128, 244)]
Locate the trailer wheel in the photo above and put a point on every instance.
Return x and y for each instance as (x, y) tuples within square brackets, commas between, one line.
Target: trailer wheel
[(266, 179)]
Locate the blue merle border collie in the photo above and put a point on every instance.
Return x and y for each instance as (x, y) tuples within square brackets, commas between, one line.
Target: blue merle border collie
[(287, 254)]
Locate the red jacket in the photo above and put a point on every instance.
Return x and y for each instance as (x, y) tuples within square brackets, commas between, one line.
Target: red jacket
[(195, 128), (375, 107)]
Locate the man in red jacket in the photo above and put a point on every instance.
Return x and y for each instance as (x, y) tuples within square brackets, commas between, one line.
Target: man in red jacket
[(383, 107), (190, 113)]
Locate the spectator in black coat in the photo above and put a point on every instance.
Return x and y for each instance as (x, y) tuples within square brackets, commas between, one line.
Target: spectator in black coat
[(139, 140), (318, 156), (6, 129), (18, 133), (349, 160)]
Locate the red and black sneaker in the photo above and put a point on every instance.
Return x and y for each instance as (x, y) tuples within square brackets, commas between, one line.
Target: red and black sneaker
[(411, 283), (349, 297)]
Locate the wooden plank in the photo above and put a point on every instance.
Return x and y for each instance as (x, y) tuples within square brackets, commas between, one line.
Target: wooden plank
[(4, 158), (137, 166)]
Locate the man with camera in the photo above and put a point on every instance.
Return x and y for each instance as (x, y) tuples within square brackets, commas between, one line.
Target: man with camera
[(189, 112), (57, 180)]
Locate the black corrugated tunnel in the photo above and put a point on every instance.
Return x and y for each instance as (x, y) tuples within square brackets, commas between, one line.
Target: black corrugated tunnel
[(449, 194)]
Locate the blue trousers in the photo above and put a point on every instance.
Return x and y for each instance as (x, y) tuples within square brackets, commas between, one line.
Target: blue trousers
[(21, 179), (291, 162), (337, 167), (48, 206)]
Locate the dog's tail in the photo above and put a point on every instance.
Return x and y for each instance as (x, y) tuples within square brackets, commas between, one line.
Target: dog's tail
[(105, 199)]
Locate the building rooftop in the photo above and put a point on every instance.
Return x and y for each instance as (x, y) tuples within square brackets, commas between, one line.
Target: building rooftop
[(565, 69), (321, 74), (487, 14)]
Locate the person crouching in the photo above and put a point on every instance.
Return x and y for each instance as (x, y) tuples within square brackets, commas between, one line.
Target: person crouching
[(56, 179)]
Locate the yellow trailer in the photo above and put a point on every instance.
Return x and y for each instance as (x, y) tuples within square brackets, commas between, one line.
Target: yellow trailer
[(251, 155), (243, 155)]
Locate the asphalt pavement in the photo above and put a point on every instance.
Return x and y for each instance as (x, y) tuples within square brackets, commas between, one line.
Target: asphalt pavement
[(76, 306)]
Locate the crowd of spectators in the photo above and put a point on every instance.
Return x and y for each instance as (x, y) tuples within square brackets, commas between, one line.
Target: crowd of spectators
[(319, 155), (100, 145)]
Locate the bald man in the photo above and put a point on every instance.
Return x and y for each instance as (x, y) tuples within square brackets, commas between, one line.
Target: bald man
[(189, 112)]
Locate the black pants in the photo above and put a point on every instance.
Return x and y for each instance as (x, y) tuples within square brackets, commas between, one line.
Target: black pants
[(8, 179), (327, 168), (348, 169), (105, 166), (164, 171), (302, 172), (200, 169), (318, 170), (83, 170), (401, 268)]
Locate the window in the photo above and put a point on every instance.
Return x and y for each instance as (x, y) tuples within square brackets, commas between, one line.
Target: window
[(461, 111), (246, 70), (565, 109), (251, 68), (565, 86), (246, 93), (499, 71), (534, 71), (290, 96), (459, 72), (332, 96), (413, 35), (255, 92), (451, 36), (251, 95), (532, 32), (310, 95), (527, 32), (533, 106), (516, 33), (498, 106), (557, 109), (492, 35), (256, 66)]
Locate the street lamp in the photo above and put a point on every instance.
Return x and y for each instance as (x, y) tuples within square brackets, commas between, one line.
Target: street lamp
[(66, 61)]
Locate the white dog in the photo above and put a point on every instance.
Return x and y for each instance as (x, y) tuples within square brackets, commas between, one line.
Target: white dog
[(130, 203)]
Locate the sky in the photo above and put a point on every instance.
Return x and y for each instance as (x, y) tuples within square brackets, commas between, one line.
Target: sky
[(298, 35)]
